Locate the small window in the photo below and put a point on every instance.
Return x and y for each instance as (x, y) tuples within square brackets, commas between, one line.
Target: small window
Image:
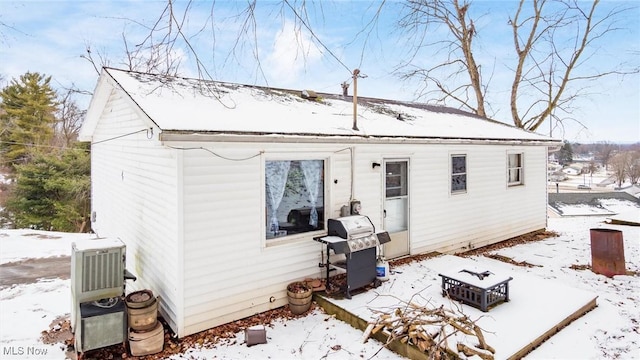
[(458, 174), (515, 170), (294, 197)]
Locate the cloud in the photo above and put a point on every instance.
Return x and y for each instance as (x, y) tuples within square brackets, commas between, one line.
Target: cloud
[(293, 52)]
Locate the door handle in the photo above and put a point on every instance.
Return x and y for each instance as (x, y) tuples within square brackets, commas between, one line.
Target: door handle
[(384, 214)]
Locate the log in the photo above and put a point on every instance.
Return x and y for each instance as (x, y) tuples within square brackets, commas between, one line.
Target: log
[(377, 328), (428, 329), (483, 343), (367, 332), (459, 327), (468, 351)]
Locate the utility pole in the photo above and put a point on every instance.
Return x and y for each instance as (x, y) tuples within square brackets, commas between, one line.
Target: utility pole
[(355, 99)]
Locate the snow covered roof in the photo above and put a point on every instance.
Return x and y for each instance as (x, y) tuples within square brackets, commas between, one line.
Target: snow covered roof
[(193, 106)]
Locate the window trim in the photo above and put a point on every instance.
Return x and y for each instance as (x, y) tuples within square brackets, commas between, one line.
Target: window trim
[(298, 237), (520, 169), (466, 173)]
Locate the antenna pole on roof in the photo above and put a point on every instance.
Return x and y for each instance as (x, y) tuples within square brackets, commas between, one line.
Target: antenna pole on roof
[(355, 99)]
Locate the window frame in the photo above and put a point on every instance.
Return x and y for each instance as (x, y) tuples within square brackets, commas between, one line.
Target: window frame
[(519, 168), (452, 174), (272, 241)]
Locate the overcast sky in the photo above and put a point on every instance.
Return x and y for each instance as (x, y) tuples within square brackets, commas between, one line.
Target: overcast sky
[(50, 36)]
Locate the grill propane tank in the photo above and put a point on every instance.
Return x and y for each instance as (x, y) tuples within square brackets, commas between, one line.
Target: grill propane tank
[(382, 269)]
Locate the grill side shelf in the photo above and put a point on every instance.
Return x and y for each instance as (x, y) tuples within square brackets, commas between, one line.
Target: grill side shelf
[(337, 244)]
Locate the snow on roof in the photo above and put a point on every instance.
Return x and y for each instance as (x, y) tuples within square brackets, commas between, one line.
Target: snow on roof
[(193, 105)]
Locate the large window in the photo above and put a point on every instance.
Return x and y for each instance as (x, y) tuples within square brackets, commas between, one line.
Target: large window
[(515, 175), (458, 174), (294, 197)]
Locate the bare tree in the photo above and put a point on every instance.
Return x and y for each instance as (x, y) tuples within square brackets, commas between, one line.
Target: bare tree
[(459, 60), (552, 39), (147, 57), (177, 32), (633, 166), (618, 165), (605, 151), (553, 42), (69, 120)]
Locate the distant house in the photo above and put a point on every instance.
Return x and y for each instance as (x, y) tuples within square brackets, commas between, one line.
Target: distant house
[(557, 176), (573, 169), (555, 173), (217, 189)]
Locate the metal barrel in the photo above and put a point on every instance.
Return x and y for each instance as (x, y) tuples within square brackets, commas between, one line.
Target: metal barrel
[(607, 252)]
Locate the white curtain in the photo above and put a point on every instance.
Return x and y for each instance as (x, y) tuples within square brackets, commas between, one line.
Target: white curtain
[(276, 176), (312, 170)]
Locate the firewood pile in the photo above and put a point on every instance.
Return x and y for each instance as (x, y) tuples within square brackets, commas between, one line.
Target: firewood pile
[(440, 332)]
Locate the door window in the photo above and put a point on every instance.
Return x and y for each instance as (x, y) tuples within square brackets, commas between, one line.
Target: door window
[(396, 179), (396, 207)]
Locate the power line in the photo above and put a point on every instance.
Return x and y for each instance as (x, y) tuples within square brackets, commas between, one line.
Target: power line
[(74, 148), (43, 146), (216, 154), (121, 136)]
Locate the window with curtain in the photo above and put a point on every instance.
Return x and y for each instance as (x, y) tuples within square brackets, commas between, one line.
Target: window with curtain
[(294, 198), (458, 174), (515, 169)]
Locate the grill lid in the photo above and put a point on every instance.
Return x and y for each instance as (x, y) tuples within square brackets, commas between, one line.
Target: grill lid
[(350, 227)]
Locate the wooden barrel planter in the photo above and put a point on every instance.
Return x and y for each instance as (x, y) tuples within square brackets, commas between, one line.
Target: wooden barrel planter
[(299, 295), (142, 310), (147, 342)]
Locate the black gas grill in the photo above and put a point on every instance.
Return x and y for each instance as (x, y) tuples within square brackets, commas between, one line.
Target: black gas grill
[(355, 237)]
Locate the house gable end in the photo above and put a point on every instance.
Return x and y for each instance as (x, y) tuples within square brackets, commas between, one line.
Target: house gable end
[(104, 90)]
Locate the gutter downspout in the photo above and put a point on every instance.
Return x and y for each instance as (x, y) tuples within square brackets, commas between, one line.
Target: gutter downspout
[(546, 190)]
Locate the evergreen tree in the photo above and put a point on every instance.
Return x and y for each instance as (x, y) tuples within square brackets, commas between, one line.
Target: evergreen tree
[(565, 156), (52, 192), (27, 118)]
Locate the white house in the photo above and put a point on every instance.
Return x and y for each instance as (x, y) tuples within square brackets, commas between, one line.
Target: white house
[(573, 169), (217, 189)]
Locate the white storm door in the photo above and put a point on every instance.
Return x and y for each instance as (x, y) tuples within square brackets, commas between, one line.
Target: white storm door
[(396, 207)]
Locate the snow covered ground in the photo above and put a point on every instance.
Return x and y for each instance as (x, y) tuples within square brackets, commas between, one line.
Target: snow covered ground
[(610, 331)]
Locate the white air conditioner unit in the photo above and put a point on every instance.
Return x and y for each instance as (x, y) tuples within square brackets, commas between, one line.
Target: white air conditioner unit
[(98, 315)]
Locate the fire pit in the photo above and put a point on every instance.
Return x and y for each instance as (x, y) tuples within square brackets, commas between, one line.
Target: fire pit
[(480, 289)]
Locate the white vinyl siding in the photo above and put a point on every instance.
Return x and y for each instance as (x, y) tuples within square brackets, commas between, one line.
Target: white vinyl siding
[(231, 272), (486, 215), (440, 222), (134, 199)]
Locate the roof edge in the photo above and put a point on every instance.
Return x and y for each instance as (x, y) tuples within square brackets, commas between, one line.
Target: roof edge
[(98, 100), (169, 136)]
